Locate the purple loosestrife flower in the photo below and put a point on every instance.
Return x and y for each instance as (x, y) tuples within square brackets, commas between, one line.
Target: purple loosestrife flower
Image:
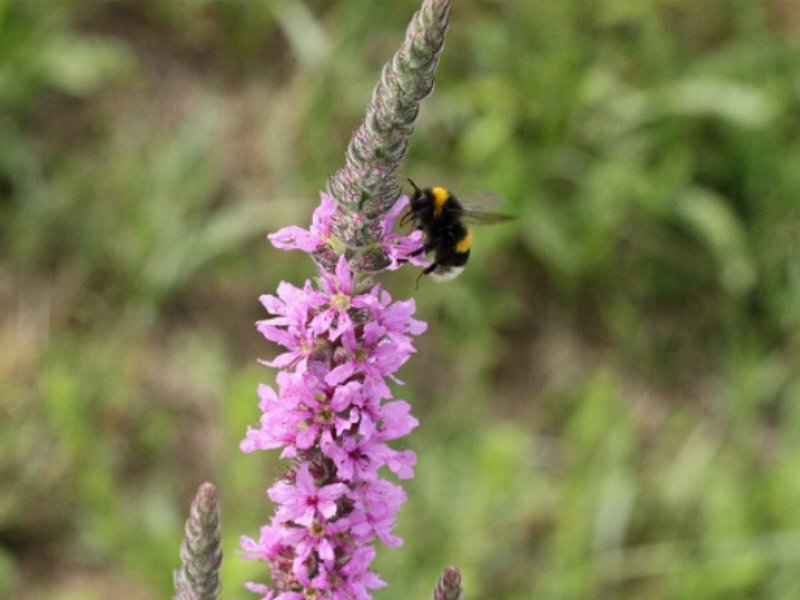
[(304, 501), (333, 414), (342, 336)]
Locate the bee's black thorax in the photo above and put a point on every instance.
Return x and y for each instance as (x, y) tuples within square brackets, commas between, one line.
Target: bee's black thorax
[(434, 204)]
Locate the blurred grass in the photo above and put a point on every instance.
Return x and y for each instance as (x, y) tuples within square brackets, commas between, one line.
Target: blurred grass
[(609, 395)]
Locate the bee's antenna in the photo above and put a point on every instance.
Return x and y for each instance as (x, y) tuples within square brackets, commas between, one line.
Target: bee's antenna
[(411, 181)]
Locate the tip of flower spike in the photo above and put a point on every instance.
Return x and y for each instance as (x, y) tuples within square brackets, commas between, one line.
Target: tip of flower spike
[(449, 586), (367, 186)]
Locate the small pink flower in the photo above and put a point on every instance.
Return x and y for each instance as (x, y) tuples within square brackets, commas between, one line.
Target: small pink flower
[(278, 423), (273, 540), (376, 509), (374, 356), (297, 238), (319, 537), (304, 502), (359, 577), (339, 298), (324, 408), (396, 421), (294, 307), (401, 249)]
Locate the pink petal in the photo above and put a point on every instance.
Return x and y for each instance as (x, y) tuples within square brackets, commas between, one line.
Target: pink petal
[(339, 374), (304, 479), (321, 219), (327, 509), (402, 464), (295, 238), (391, 215), (282, 492), (325, 550), (306, 438), (343, 275), (332, 491)]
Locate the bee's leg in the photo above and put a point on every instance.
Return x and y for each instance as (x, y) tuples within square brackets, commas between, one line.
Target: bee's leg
[(421, 273), (426, 271), (430, 269), (409, 218)]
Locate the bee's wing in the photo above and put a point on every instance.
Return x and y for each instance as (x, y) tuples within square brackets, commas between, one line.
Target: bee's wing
[(481, 211), (481, 216)]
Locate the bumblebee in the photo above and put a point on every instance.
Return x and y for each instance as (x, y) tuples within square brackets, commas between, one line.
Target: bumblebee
[(442, 217)]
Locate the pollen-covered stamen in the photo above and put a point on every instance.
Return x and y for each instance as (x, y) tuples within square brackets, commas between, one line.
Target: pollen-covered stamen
[(314, 348), (283, 576), (316, 529), (340, 301), (333, 578), (324, 416)]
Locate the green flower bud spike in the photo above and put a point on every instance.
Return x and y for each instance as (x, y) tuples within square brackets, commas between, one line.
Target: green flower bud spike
[(366, 187), (449, 586), (201, 553)]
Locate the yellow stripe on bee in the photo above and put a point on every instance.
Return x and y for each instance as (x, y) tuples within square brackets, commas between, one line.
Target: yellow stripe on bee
[(463, 245), (440, 196)]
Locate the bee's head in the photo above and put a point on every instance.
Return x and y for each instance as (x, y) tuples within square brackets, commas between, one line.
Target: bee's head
[(418, 199)]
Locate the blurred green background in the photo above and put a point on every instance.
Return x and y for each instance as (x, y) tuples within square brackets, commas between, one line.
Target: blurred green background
[(609, 396)]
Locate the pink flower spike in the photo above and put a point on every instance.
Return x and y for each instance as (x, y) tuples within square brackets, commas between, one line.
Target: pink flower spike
[(331, 411)]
